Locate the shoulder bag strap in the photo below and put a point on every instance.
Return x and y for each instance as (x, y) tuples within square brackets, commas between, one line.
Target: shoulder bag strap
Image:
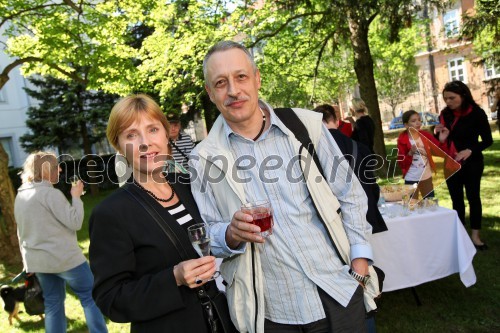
[(290, 119), (160, 221), (178, 149)]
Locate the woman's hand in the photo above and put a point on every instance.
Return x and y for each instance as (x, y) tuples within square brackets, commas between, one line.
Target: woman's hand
[(189, 272), (443, 133), (241, 230), (77, 190), (463, 155)]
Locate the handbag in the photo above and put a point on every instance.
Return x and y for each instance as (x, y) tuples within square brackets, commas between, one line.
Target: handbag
[(214, 302), (33, 298)]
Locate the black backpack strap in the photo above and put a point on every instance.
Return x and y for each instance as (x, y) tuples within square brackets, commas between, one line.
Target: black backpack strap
[(178, 149), (290, 119)]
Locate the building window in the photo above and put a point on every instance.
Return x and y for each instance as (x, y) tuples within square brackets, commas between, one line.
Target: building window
[(491, 71), (7, 146), (456, 68), (451, 23)]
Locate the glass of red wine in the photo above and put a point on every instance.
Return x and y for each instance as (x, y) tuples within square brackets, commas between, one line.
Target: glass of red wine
[(262, 214)]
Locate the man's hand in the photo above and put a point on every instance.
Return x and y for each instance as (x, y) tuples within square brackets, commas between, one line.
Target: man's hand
[(242, 230), (360, 266)]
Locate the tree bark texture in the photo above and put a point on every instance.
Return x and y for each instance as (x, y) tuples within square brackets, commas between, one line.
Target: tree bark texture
[(9, 245), (363, 66)]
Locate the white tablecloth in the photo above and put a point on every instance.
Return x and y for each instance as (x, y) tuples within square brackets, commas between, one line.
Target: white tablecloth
[(424, 247)]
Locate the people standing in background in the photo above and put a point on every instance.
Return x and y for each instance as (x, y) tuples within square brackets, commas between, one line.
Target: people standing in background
[(46, 226), (364, 128), (343, 126), (466, 122), (415, 153), (181, 143), (360, 164)]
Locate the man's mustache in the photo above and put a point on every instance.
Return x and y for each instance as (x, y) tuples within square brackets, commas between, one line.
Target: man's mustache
[(236, 99)]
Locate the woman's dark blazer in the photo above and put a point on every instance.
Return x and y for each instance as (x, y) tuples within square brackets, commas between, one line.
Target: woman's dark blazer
[(132, 261)]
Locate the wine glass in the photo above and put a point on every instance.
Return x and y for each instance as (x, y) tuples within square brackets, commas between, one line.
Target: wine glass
[(198, 235), (262, 214), (74, 181)]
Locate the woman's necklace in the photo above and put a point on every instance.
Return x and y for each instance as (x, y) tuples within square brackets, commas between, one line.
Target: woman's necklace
[(153, 195), (263, 125)]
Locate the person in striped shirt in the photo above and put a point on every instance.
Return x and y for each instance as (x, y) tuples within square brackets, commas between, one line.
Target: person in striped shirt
[(294, 280), (181, 143)]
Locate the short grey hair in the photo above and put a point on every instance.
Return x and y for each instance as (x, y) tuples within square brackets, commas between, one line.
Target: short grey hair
[(226, 45)]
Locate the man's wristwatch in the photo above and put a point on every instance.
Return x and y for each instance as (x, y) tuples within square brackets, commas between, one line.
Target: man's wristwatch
[(363, 279)]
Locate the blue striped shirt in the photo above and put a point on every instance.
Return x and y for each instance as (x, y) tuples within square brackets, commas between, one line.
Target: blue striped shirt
[(298, 257)]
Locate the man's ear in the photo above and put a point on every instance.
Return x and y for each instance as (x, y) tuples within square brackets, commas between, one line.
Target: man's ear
[(209, 92), (257, 77)]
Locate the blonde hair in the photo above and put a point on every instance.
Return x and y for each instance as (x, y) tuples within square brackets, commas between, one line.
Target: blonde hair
[(358, 105), (38, 166), (127, 110)]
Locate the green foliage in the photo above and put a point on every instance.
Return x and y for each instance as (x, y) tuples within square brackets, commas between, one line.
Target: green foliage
[(66, 113), (483, 28), (84, 42), (396, 73)]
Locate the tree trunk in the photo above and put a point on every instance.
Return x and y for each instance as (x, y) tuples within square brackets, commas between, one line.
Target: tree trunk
[(87, 146), (363, 66), (9, 245), (87, 149)]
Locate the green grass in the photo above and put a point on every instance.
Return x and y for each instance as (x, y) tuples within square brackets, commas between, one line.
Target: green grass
[(447, 306)]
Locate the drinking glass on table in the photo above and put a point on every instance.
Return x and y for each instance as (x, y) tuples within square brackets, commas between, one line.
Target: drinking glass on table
[(74, 181), (198, 235), (262, 214), (405, 210), (432, 204)]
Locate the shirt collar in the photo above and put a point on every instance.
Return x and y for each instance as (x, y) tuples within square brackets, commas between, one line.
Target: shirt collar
[(275, 122)]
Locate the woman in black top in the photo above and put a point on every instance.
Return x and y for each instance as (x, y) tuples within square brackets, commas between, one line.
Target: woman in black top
[(466, 122), (364, 128), (139, 274)]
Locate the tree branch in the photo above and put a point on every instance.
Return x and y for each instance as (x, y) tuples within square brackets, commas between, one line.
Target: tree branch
[(21, 12), (74, 6), (4, 76), (283, 26), (318, 60)]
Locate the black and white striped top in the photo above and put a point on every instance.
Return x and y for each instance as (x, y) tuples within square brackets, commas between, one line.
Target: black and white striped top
[(179, 212), (181, 148)]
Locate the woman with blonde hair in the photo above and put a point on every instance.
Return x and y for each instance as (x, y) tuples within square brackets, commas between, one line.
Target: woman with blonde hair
[(46, 226), (364, 128)]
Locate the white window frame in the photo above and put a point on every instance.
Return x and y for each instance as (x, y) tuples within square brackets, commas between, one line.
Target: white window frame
[(454, 69), (490, 71), (451, 23)]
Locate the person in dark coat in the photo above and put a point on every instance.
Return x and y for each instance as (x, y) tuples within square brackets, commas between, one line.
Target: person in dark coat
[(139, 274), (466, 122), (364, 128), (365, 175)]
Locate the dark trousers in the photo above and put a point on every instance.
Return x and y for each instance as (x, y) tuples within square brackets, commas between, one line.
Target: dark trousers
[(338, 319), (469, 176)]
